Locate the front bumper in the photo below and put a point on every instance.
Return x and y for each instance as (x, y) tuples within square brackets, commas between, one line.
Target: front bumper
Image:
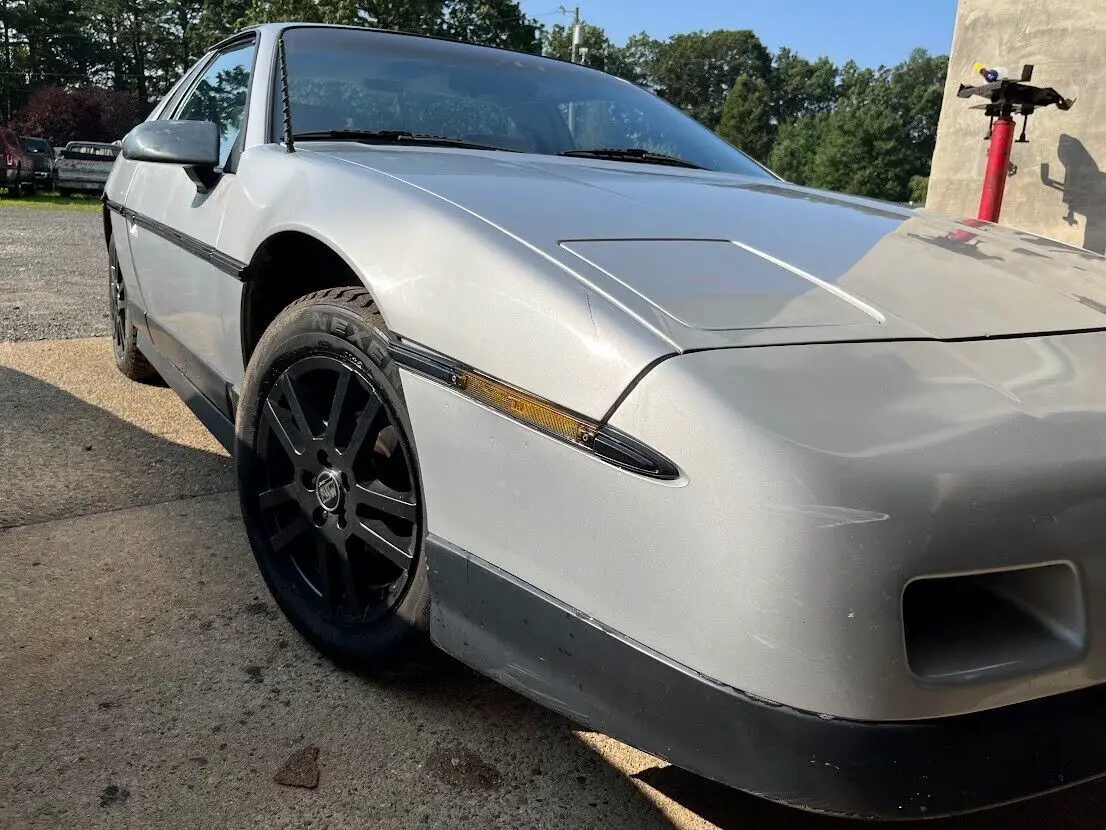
[(832, 499), (571, 663)]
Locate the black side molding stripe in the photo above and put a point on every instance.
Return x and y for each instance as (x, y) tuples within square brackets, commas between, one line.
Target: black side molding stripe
[(227, 264), (424, 362)]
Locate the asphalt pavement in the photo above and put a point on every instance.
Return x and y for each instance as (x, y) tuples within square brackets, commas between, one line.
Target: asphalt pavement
[(147, 679)]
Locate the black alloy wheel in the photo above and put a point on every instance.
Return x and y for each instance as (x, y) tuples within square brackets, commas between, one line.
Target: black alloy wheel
[(329, 483), (338, 501)]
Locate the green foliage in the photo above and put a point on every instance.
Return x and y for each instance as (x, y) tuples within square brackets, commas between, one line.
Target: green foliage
[(343, 12), (747, 117), (800, 87), (861, 130), (878, 137), (797, 144), (696, 71), (601, 52), (89, 203), (919, 189), (490, 23), (862, 151)]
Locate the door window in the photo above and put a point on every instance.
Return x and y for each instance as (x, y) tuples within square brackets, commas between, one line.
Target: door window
[(220, 96)]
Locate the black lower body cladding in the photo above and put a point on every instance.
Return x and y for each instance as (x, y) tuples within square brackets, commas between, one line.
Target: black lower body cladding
[(563, 659)]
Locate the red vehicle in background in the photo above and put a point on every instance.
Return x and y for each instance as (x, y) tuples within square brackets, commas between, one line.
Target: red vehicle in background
[(17, 170)]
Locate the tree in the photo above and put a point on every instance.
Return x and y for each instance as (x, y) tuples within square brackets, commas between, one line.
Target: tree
[(747, 117), (796, 145), (499, 23), (877, 139), (863, 152), (800, 87), (696, 71), (917, 88), (601, 53), (420, 16), (86, 113), (217, 19), (919, 189), (343, 12), (639, 54)]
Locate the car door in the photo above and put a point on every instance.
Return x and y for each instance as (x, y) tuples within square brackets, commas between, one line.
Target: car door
[(174, 226)]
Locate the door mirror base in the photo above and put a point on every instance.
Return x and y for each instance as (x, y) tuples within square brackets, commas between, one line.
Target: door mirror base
[(204, 176)]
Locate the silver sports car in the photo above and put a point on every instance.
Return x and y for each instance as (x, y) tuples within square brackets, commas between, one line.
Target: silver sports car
[(802, 492)]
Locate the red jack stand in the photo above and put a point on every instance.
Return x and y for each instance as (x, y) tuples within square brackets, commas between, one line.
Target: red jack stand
[(1006, 98), (998, 167)]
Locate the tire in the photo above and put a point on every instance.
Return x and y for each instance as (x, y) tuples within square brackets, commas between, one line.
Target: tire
[(331, 497), (32, 187), (124, 336)]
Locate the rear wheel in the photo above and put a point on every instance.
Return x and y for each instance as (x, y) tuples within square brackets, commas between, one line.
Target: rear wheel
[(329, 482), (124, 336)]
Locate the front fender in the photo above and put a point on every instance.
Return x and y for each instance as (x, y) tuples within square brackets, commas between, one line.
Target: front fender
[(444, 278)]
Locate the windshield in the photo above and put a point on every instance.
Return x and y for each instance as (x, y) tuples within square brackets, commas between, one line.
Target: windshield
[(347, 79), (36, 145)]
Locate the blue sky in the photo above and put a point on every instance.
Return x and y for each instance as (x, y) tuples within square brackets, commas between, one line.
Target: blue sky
[(870, 32)]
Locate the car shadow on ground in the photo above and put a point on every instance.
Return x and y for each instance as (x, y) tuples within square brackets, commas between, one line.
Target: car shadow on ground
[(1082, 806), (149, 680)]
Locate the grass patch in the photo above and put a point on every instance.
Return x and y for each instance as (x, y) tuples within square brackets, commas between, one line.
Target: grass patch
[(78, 201)]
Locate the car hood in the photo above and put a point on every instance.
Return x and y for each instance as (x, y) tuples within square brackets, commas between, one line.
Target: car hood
[(717, 259)]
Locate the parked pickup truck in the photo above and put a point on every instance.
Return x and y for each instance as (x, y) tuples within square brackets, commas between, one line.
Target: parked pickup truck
[(43, 156), (16, 167), (84, 165)]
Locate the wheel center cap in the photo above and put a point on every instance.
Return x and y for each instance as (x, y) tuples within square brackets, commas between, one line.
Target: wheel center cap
[(328, 490)]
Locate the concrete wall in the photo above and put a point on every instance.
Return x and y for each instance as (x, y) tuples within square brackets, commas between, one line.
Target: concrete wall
[(1059, 189)]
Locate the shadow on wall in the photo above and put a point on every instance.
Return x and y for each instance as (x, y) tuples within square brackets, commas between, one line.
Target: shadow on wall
[(1084, 190)]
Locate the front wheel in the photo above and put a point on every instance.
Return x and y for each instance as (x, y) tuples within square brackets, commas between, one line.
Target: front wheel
[(329, 481)]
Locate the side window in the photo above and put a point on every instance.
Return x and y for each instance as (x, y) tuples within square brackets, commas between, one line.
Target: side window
[(220, 96)]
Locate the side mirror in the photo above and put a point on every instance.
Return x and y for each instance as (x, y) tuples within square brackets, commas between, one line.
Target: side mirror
[(194, 145)]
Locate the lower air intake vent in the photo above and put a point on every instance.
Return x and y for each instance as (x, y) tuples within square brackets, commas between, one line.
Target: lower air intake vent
[(981, 626)]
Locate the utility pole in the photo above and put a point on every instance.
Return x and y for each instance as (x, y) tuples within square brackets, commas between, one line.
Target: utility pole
[(574, 55), (577, 35)]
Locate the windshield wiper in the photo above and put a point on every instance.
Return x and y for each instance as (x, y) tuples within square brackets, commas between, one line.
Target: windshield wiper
[(395, 137), (631, 154)]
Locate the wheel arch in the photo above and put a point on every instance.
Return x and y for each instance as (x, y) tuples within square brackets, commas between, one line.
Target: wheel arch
[(288, 264)]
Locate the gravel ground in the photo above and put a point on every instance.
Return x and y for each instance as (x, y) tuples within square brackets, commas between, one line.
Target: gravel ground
[(53, 269)]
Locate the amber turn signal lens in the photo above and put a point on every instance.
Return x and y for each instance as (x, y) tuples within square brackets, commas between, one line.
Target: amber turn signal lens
[(524, 407)]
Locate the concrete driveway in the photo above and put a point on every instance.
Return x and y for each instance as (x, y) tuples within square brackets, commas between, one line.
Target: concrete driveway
[(147, 680)]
